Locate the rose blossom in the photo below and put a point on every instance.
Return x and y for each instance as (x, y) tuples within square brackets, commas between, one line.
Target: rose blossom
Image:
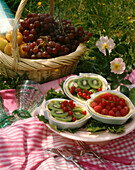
[(117, 66), (104, 44)]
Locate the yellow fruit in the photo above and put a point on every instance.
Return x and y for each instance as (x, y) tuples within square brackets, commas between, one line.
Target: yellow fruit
[(2, 36), (19, 37), (9, 35), (7, 49), (22, 53), (3, 43)]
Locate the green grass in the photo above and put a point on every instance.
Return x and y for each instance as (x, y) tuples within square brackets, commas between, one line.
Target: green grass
[(101, 17), (115, 16)]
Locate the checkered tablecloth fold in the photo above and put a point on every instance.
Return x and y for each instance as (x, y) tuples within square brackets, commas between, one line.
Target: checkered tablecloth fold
[(23, 144)]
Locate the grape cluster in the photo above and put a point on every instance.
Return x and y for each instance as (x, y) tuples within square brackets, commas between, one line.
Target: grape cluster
[(46, 37)]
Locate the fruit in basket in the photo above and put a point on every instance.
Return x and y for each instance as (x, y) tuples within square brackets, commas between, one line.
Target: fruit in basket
[(49, 38), (2, 36), (19, 37), (7, 49), (3, 43), (21, 51)]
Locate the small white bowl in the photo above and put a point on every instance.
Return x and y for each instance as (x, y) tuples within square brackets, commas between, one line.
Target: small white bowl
[(88, 75), (65, 125), (111, 119)]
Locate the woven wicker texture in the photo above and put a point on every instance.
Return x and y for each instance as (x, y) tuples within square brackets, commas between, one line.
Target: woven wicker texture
[(39, 70)]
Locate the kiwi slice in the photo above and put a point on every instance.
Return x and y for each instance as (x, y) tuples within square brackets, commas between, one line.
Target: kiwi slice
[(78, 115), (77, 109), (59, 113), (54, 105), (95, 83), (83, 83), (73, 83), (64, 119)]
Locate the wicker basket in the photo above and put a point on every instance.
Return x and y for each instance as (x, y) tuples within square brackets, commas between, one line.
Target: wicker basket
[(40, 70)]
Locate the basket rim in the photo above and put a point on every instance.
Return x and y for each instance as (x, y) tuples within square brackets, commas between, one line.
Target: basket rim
[(43, 64)]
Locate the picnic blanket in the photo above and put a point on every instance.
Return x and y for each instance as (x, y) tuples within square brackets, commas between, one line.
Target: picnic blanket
[(23, 144)]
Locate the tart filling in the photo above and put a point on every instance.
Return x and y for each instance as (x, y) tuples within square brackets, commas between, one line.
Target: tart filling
[(111, 104), (80, 88), (66, 111)]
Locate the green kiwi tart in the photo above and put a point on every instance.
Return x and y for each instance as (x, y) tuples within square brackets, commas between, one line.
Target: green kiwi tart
[(80, 88), (66, 114)]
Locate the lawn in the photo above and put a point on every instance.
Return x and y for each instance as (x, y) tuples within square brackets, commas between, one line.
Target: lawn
[(101, 17)]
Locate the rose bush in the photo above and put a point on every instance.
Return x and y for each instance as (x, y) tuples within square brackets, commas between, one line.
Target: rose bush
[(114, 60)]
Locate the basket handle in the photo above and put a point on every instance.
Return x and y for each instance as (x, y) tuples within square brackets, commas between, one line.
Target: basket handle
[(15, 50)]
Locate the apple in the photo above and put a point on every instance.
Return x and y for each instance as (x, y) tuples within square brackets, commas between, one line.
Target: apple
[(3, 43), (19, 37), (7, 49)]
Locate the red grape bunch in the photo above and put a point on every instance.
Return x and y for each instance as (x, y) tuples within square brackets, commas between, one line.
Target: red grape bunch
[(46, 37)]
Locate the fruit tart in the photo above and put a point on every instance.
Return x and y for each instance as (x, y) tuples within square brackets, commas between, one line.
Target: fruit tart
[(111, 107), (66, 114), (80, 88)]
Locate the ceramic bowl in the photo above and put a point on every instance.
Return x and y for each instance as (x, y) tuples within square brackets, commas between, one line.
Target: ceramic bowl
[(87, 75), (65, 125), (111, 119)]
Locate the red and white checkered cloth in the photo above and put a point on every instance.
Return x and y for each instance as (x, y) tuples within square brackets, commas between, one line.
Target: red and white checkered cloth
[(23, 144)]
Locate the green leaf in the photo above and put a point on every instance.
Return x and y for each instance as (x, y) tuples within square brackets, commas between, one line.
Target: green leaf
[(95, 49), (123, 38), (96, 36), (116, 41), (53, 94), (120, 49), (128, 56), (115, 85), (121, 76), (105, 64), (126, 47), (129, 68), (107, 53), (116, 129), (133, 65), (111, 78), (132, 95), (124, 90), (126, 82), (98, 55), (61, 85), (95, 126), (42, 118), (91, 54)]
